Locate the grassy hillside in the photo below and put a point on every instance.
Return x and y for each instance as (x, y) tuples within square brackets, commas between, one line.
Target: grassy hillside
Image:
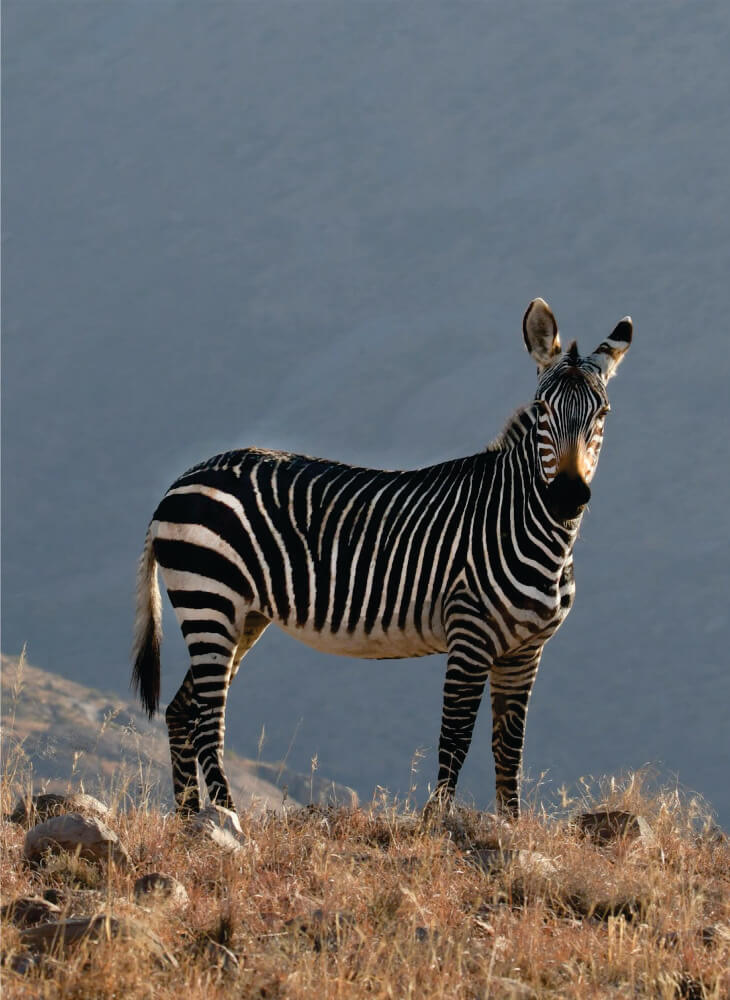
[(325, 902)]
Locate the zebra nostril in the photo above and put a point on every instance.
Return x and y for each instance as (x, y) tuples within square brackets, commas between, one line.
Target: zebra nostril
[(567, 496)]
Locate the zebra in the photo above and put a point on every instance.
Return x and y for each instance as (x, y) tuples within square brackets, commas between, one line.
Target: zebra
[(472, 557)]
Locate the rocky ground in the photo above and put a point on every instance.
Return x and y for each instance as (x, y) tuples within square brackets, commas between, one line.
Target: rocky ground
[(340, 902), (105, 896)]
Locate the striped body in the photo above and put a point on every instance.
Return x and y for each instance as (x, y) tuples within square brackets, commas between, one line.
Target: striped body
[(466, 557), (357, 561)]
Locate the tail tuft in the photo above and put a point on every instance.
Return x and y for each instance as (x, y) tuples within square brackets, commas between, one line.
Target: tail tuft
[(147, 631)]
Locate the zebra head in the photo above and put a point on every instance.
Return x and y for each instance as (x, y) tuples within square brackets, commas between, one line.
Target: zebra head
[(572, 407)]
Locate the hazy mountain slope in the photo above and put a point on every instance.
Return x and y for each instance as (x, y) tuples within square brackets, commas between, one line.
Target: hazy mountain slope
[(316, 226), (64, 734)]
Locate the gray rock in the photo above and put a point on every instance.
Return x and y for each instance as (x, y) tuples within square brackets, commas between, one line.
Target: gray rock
[(493, 860), (220, 825), (61, 937), (715, 934), (84, 836), (23, 962), (157, 887), (425, 935), (29, 910), (38, 808), (608, 825)]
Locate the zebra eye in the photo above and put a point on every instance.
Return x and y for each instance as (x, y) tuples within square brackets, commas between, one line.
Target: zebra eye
[(603, 411)]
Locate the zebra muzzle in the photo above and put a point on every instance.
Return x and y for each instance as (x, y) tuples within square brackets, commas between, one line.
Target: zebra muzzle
[(567, 496)]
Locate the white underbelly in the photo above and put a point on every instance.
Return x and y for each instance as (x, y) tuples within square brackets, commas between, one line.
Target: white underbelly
[(393, 644)]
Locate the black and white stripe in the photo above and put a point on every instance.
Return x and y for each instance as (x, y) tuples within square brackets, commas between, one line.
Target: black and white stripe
[(472, 557)]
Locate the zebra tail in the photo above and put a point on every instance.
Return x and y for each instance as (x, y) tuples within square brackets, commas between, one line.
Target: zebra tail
[(147, 631)]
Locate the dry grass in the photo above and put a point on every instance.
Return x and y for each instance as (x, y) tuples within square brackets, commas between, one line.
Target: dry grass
[(368, 903), (350, 903)]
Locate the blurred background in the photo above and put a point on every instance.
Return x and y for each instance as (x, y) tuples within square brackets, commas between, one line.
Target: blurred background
[(316, 226)]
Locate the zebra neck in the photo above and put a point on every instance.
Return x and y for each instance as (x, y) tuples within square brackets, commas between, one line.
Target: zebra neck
[(523, 513)]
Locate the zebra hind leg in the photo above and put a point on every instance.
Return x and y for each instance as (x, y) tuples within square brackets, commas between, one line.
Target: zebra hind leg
[(212, 672), (180, 718)]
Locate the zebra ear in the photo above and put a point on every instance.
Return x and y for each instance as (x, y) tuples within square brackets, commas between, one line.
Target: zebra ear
[(607, 356), (540, 330)]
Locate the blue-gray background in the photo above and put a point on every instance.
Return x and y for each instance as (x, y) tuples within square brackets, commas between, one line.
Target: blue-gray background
[(316, 226)]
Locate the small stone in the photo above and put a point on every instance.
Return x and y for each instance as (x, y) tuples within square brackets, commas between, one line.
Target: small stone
[(223, 818), (220, 825), (23, 962), (58, 896), (607, 825), (715, 934), (426, 935), (493, 860), (157, 887), (38, 808), (59, 938), (86, 837), (29, 910)]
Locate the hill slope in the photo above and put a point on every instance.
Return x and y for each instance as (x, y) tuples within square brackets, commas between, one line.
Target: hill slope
[(64, 733)]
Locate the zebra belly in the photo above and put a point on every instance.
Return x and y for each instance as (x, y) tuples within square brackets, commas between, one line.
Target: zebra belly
[(377, 645)]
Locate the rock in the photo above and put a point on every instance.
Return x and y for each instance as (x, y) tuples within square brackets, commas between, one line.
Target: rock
[(58, 896), (475, 831), (607, 825), (29, 910), (425, 935), (86, 837), (61, 937), (493, 860), (23, 962), (157, 887), (38, 808), (220, 825), (511, 989), (715, 934)]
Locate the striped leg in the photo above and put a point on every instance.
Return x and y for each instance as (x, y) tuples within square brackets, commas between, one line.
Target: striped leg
[(180, 717), (214, 665), (466, 674), (511, 683), (211, 678)]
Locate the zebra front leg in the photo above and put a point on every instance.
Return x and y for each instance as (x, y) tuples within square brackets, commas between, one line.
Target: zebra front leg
[(510, 683), (466, 675), (180, 718)]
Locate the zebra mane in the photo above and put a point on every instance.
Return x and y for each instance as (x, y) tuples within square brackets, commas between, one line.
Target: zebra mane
[(516, 429)]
